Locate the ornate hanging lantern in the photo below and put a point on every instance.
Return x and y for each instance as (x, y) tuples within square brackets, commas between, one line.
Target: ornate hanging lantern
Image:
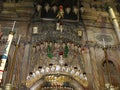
[(75, 10), (38, 7), (68, 9), (47, 7), (54, 8)]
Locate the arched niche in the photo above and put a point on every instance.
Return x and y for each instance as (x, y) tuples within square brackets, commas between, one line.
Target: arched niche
[(114, 75)]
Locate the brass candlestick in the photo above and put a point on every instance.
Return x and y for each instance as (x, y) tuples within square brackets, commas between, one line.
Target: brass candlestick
[(13, 62)]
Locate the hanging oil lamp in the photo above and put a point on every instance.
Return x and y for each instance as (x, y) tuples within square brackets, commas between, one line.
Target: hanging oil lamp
[(54, 8), (75, 10), (47, 7), (68, 9)]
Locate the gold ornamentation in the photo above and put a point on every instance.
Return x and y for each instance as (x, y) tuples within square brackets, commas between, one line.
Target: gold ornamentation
[(57, 78)]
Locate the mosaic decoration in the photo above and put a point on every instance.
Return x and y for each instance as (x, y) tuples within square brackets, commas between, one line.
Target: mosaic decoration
[(49, 33)]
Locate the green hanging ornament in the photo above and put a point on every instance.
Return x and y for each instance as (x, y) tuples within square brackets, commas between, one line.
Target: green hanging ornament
[(49, 54), (66, 50)]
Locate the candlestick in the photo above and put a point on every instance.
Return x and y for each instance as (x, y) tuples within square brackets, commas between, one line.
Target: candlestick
[(6, 51)]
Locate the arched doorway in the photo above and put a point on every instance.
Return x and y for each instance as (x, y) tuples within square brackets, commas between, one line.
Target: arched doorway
[(57, 82)]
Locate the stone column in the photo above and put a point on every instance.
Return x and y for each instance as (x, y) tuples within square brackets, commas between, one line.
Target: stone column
[(24, 67), (87, 67), (94, 69)]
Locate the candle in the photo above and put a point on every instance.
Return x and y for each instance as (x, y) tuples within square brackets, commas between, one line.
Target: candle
[(18, 39), (13, 25), (103, 43)]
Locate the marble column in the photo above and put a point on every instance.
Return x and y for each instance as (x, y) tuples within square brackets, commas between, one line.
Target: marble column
[(24, 67), (94, 69), (87, 67)]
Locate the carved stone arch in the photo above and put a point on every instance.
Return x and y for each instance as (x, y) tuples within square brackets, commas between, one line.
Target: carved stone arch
[(111, 61), (37, 85), (114, 60)]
